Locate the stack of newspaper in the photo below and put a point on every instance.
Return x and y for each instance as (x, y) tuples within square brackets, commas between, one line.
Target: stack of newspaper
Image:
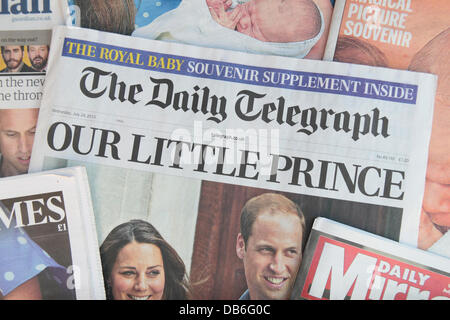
[(213, 137)]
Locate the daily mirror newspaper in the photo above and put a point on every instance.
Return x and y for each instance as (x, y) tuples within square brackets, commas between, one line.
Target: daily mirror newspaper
[(287, 28), (183, 138), (341, 262), (48, 237), (25, 43), (412, 35)]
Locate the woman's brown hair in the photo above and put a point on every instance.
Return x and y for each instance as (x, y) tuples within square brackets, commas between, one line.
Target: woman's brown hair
[(116, 16)]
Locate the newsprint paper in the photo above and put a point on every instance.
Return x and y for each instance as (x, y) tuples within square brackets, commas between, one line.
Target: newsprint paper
[(48, 237), (412, 35), (182, 137), (341, 262), (25, 37)]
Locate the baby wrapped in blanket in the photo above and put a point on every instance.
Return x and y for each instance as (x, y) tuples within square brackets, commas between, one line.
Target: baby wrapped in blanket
[(277, 27)]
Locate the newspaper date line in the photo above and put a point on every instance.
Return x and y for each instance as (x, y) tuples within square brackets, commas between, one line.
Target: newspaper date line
[(95, 83)]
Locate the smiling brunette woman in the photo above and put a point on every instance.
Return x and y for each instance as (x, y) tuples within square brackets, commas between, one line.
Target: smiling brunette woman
[(138, 264)]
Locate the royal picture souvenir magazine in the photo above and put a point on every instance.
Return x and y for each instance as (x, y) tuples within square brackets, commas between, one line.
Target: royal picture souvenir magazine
[(412, 35)]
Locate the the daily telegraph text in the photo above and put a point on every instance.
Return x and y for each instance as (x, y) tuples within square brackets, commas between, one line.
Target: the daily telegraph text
[(248, 105)]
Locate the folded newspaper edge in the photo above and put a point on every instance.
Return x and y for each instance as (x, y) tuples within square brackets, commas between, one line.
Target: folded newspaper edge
[(84, 275), (336, 18)]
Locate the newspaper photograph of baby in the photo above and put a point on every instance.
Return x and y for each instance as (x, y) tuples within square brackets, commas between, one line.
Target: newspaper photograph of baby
[(17, 130), (288, 28)]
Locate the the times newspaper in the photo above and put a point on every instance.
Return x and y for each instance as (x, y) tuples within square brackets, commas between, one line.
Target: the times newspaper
[(48, 237), (385, 33), (286, 28), (182, 137), (412, 35), (341, 262), (25, 43)]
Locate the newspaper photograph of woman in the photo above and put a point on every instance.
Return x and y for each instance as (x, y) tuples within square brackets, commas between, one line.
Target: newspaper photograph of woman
[(138, 264), (218, 248)]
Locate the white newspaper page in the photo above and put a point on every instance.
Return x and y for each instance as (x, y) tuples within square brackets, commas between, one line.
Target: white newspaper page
[(48, 237), (183, 137)]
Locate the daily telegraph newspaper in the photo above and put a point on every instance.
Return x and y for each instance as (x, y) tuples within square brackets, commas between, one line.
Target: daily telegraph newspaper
[(25, 43), (412, 35), (48, 237), (184, 138), (287, 28), (341, 262)]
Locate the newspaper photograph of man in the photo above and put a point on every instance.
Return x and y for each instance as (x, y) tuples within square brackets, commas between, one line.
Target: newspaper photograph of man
[(138, 264), (268, 20), (270, 246), (201, 220), (13, 59), (17, 129), (249, 241), (38, 55)]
